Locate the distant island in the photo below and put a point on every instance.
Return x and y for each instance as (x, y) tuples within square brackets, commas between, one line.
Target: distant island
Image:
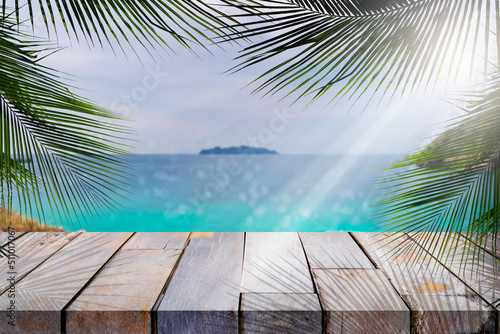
[(243, 149)]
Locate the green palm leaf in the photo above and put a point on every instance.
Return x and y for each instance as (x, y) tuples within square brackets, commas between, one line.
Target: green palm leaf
[(52, 141), (453, 184), (359, 46), (147, 23)]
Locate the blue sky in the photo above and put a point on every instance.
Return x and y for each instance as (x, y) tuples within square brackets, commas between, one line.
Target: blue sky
[(182, 104)]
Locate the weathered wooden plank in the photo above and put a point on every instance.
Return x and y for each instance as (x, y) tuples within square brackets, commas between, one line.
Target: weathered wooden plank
[(8, 241), (121, 298), (157, 240), (275, 263), (488, 242), (434, 294), (41, 296), (30, 251), (493, 245), (201, 235), (203, 295), (360, 301), (333, 250), (4, 236), (449, 314), (482, 272), (280, 313)]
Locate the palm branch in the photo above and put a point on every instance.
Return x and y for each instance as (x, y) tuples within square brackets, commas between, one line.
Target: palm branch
[(117, 22), (360, 47), (53, 141), (61, 145), (452, 184)]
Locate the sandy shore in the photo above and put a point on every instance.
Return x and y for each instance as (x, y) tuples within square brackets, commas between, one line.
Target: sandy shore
[(23, 224)]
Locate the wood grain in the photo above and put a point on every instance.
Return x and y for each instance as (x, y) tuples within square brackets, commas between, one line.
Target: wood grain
[(488, 242), (203, 295), (31, 250), (360, 301), (157, 240), (78, 283), (41, 296), (434, 294), (275, 263), (280, 313), (4, 236), (333, 250), (201, 235), (121, 298), (478, 269)]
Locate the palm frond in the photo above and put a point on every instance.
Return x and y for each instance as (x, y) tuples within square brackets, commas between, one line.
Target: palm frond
[(54, 144), (151, 24), (360, 46), (453, 184)]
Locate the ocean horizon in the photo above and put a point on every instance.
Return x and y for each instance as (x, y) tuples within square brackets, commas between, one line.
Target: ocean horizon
[(234, 193)]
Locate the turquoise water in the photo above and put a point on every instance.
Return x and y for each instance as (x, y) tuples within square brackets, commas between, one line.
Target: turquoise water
[(248, 193)]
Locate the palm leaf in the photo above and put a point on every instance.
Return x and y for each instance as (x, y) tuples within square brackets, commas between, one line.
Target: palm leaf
[(359, 46), (453, 184), (113, 22), (54, 144)]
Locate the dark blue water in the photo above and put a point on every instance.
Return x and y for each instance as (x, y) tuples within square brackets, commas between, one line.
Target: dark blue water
[(247, 193)]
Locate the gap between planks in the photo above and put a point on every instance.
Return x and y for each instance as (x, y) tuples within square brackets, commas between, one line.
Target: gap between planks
[(75, 296), (315, 289), (5, 242), (452, 271), (154, 309), (26, 235), (487, 248), (374, 263), (367, 254)]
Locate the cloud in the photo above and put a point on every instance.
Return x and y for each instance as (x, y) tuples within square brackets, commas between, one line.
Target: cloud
[(196, 107)]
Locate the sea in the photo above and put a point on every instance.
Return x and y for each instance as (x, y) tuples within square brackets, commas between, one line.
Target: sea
[(232, 193)]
